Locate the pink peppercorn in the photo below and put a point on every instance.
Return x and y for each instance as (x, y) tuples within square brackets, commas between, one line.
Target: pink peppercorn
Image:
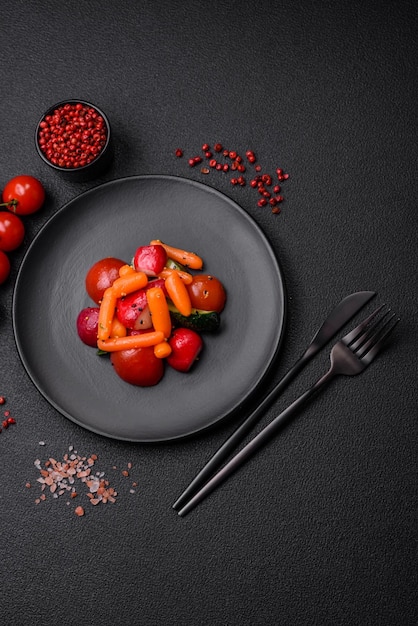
[(72, 136)]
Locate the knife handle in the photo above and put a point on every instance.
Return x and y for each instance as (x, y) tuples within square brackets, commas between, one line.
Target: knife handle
[(238, 435), (263, 437)]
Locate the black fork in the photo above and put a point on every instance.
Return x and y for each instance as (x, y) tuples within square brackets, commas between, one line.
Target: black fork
[(349, 356)]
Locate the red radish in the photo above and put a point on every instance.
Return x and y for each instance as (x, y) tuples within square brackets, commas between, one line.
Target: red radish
[(133, 311), (87, 324), (186, 346), (150, 259)]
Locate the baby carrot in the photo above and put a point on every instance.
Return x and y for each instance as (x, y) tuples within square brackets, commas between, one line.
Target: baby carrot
[(125, 270), (160, 315), (117, 328), (106, 313), (162, 350), (129, 283), (188, 259), (185, 276), (152, 338), (178, 294)]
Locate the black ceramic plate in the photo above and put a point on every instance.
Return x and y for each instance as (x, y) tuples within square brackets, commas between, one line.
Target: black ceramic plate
[(113, 220)]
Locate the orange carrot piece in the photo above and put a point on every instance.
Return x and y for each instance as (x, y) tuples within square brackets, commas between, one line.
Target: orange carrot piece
[(129, 283), (178, 294), (132, 341), (185, 276), (184, 257), (162, 350), (106, 313), (125, 270), (117, 329), (160, 315)]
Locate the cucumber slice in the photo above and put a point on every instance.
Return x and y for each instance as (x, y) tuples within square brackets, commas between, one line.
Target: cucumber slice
[(199, 320), (173, 265)]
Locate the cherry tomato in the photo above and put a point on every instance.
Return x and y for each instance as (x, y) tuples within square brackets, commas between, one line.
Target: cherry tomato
[(24, 195), (12, 231), (101, 276), (138, 366), (4, 267), (207, 293)]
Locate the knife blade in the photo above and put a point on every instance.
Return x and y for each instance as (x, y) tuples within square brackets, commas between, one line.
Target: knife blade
[(338, 317)]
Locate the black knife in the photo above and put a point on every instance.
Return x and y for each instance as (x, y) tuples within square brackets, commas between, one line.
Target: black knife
[(342, 313)]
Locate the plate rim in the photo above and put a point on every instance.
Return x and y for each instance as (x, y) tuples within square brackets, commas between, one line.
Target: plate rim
[(265, 372)]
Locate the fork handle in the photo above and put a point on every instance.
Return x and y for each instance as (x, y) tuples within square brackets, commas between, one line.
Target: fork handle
[(256, 443), (238, 435)]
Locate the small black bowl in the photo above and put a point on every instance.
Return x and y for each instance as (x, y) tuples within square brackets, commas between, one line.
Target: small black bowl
[(77, 119)]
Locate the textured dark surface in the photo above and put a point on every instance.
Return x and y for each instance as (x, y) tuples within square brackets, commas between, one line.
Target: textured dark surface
[(321, 527)]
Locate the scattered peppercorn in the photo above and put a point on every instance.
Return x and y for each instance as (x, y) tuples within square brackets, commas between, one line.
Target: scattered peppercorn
[(258, 182), (8, 421)]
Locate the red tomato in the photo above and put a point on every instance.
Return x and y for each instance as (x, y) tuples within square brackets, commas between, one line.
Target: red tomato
[(24, 195), (4, 267), (12, 231), (207, 293), (101, 276), (138, 366)]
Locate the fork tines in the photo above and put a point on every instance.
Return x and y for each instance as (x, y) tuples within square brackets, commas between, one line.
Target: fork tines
[(366, 340)]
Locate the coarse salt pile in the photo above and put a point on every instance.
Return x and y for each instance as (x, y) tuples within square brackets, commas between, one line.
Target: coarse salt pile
[(62, 477)]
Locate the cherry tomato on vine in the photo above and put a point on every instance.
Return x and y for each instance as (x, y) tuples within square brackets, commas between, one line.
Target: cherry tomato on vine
[(102, 275), (4, 267), (207, 293), (12, 231), (23, 195)]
